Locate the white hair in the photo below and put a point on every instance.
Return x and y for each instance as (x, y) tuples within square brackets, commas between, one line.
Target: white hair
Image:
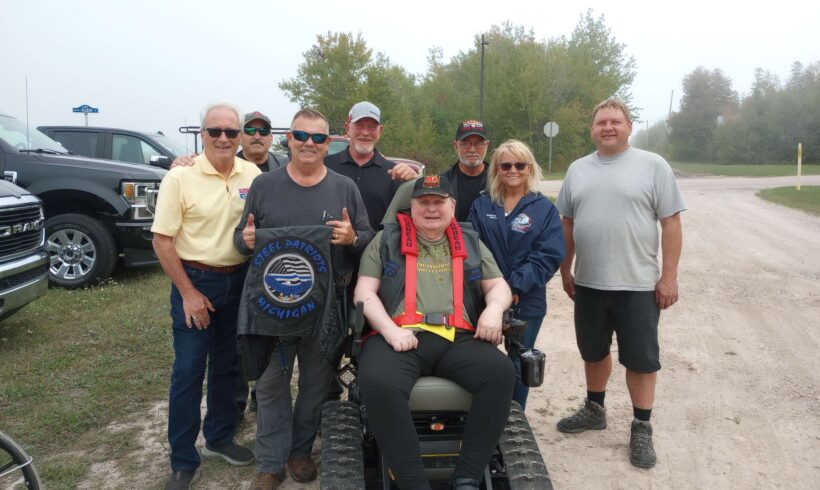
[(220, 105)]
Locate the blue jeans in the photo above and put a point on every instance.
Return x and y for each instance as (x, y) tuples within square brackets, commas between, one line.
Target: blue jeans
[(521, 391), (284, 429), (215, 347)]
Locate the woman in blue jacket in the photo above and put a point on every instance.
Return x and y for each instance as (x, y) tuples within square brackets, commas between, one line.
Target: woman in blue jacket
[(523, 230)]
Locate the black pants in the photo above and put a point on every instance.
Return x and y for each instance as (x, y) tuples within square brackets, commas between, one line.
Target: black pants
[(386, 378)]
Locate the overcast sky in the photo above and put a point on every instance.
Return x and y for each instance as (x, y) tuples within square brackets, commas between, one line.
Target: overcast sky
[(152, 65)]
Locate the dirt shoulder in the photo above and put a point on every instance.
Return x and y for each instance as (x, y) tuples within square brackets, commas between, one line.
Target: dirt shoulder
[(738, 393)]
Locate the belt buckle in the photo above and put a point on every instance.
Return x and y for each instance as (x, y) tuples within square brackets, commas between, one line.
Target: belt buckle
[(438, 319)]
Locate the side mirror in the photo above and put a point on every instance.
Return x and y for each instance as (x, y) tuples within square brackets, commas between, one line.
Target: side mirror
[(160, 161)]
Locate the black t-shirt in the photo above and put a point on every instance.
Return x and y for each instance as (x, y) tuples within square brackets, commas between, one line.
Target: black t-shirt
[(468, 188), (375, 185)]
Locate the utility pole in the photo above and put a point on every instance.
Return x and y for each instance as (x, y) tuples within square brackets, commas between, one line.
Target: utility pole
[(481, 83), (646, 136)]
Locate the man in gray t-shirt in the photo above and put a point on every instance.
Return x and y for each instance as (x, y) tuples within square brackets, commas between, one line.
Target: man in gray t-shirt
[(304, 192), (611, 202)]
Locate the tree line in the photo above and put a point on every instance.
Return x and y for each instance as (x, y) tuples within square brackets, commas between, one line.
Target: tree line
[(715, 125), (529, 82)]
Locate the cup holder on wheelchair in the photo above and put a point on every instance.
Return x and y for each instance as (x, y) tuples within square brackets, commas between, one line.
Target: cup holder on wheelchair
[(533, 360)]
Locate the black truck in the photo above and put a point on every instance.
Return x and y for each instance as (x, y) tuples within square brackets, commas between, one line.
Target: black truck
[(123, 145), (95, 210), (23, 259)]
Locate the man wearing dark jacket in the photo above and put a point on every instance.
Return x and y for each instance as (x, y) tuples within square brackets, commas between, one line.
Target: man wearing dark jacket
[(468, 177)]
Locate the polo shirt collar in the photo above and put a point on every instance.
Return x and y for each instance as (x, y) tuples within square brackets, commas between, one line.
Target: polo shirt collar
[(206, 167), (377, 158)]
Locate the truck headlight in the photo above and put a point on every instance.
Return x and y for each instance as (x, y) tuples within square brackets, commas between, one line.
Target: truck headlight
[(137, 195)]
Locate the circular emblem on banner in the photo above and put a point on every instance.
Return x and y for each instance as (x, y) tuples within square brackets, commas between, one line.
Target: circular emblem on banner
[(289, 278)]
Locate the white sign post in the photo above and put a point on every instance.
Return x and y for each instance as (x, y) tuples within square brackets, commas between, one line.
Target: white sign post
[(550, 130)]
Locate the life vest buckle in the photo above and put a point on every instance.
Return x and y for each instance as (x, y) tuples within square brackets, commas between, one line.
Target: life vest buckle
[(437, 319)]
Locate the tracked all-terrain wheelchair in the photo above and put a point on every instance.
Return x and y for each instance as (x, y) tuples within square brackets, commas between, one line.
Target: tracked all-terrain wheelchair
[(351, 458)]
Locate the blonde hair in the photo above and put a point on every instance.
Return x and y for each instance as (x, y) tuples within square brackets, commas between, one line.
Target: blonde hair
[(518, 152), (611, 104)]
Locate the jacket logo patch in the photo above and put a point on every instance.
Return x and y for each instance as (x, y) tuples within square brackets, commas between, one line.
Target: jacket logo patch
[(475, 274), (389, 267), (522, 223), (290, 269), (243, 192)]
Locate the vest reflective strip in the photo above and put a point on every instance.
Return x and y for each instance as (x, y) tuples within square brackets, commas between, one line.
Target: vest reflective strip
[(409, 247)]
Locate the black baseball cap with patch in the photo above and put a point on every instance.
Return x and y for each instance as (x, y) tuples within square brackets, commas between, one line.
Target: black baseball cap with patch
[(469, 128), (431, 185)]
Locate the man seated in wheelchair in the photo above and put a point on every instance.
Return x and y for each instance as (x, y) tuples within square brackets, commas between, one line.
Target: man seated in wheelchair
[(434, 299)]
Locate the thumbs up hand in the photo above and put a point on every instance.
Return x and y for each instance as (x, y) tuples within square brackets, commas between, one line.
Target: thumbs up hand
[(343, 232), (249, 233)]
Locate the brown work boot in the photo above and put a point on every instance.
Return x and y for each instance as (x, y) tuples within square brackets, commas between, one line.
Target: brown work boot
[(267, 481), (302, 469)]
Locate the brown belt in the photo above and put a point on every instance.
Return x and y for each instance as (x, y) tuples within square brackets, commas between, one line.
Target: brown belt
[(225, 269)]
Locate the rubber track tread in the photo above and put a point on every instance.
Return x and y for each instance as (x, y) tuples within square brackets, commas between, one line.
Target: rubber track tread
[(525, 465), (342, 459)]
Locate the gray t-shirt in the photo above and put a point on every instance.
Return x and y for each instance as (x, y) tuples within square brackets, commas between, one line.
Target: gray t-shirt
[(615, 204), (277, 201)]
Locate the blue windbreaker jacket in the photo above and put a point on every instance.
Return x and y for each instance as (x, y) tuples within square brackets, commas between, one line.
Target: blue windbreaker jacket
[(527, 244)]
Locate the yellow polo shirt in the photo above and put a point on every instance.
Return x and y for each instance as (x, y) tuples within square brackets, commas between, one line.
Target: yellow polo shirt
[(200, 209)]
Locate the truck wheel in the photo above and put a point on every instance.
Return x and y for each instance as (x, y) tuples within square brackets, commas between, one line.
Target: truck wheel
[(342, 457), (82, 251), (525, 465)]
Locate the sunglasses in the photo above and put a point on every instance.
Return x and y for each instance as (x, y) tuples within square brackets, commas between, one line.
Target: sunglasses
[(252, 131), (507, 166), (217, 132), (303, 136)]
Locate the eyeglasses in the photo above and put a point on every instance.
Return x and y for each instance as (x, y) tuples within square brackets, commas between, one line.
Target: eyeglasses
[(477, 144), (217, 132), (262, 131), (507, 166), (303, 136)]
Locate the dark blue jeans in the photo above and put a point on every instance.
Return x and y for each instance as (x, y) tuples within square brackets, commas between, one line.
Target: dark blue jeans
[(521, 391), (214, 347)]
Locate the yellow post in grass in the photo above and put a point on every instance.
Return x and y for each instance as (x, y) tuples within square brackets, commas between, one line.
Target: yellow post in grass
[(799, 163)]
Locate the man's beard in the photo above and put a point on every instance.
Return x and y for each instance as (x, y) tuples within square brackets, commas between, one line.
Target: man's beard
[(364, 148), (468, 163)]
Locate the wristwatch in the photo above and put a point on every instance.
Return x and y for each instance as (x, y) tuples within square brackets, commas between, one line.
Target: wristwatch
[(355, 240)]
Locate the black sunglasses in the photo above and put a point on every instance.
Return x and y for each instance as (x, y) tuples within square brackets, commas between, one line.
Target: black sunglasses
[(507, 166), (303, 136), (217, 132), (262, 131)]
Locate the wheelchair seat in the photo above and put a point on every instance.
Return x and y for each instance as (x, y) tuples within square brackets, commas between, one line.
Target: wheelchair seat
[(434, 394)]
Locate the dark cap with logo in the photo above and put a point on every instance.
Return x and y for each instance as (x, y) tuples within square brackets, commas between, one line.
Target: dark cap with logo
[(471, 127), (431, 184), (253, 116)]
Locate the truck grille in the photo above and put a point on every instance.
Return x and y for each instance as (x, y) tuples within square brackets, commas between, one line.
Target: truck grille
[(23, 277), (20, 230)]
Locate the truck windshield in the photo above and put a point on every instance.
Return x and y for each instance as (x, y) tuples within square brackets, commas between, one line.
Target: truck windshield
[(13, 132), (172, 146)]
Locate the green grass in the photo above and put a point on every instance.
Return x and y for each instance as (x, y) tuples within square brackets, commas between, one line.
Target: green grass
[(73, 361), (555, 175), (806, 199), (763, 170)]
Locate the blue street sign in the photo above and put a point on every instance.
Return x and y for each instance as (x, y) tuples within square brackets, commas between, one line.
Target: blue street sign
[(85, 109)]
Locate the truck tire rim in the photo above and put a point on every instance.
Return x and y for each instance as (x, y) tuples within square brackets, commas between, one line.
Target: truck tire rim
[(72, 254)]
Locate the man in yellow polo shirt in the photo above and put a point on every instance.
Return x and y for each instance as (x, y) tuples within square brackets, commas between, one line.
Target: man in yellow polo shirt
[(197, 211)]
